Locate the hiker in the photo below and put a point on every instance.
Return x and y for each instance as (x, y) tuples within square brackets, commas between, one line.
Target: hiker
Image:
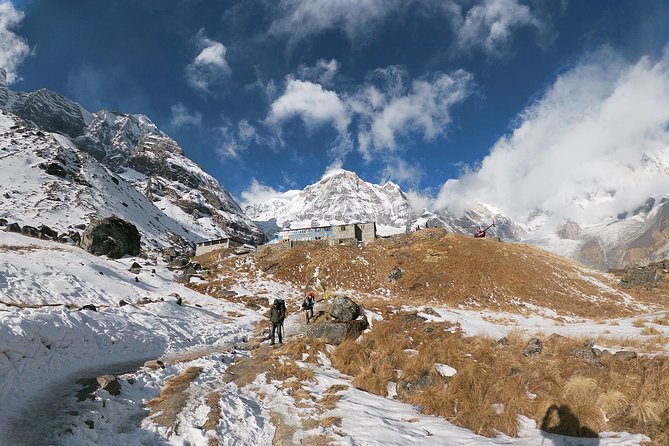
[(277, 313), (308, 305)]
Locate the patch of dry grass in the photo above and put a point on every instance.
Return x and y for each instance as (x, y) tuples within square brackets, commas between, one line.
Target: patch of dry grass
[(173, 398), (639, 323), (286, 369), (470, 272), (570, 395), (304, 349), (649, 330), (662, 320)]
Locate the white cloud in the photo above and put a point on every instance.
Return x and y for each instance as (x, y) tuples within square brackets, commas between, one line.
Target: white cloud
[(400, 171), (588, 149), (312, 103), (490, 24), (425, 108), (13, 48), (182, 117), (235, 139), (356, 18), (380, 115), (258, 193), (323, 72), (209, 66), (246, 131), (418, 201)]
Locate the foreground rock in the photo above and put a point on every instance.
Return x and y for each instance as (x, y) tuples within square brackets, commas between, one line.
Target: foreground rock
[(112, 237), (110, 384), (335, 332), (343, 309)]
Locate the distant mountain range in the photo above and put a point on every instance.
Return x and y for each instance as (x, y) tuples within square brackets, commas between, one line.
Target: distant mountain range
[(640, 236), (61, 166)]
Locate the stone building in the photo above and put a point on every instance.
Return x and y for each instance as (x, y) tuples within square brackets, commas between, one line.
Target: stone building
[(212, 245), (352, 233)]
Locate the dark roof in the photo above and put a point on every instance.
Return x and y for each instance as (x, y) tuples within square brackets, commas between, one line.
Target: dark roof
[(221, 240)]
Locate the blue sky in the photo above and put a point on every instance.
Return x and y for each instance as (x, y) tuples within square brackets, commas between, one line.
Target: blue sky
[(267, 95)]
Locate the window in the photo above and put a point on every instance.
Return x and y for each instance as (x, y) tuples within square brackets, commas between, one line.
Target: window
[(343, 228)]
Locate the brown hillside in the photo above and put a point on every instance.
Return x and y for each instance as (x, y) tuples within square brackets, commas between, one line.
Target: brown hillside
[(447, 269)]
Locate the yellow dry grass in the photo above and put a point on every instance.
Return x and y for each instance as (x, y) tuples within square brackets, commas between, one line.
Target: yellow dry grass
[(493, 381), (649, 330), (480, 273), (172, 399), (284, 370)]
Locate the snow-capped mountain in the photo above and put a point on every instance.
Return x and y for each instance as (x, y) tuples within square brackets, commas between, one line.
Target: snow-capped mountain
[(337, 198), (639, 236), (342, 197), (98, 154)]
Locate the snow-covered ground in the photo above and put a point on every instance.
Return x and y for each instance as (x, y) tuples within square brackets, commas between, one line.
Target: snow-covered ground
[(48, 344)]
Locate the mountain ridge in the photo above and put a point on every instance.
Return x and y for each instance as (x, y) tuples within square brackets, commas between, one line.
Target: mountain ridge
[(132, 150)]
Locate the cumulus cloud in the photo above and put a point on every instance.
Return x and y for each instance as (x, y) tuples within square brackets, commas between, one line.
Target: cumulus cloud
[(490, 24), (423, 108), (209, 66), (182, 117), (310, 102), (377, 113), (13, 48), (258, 193), (590, 148)]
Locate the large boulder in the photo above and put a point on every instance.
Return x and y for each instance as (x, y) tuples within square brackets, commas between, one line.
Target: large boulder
[(343, 309), (336, 332), (112, 237)]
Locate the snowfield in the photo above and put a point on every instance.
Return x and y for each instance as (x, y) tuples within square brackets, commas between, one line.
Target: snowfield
[(48, 344)]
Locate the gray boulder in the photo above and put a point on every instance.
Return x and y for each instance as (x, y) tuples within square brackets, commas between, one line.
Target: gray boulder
[(13, 227), (336, 332), (154, 364), (110, 384), (625, 354), (112, 237), (395, 274), (30, 231), (47, 232), (343, 309), (534, 347)]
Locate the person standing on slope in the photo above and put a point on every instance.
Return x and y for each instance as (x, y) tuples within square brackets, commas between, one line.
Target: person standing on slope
[(277, 313), (308, 305)]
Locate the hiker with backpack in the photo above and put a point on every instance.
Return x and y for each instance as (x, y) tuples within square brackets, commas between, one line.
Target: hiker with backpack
[(308, 305), (277, 313)]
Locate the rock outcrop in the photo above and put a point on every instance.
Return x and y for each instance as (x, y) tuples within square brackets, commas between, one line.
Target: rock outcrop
[(343, 309), (335, 332), (112, 237)]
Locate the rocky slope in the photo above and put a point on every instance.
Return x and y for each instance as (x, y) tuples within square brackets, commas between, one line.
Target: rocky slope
[(132, 150)]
